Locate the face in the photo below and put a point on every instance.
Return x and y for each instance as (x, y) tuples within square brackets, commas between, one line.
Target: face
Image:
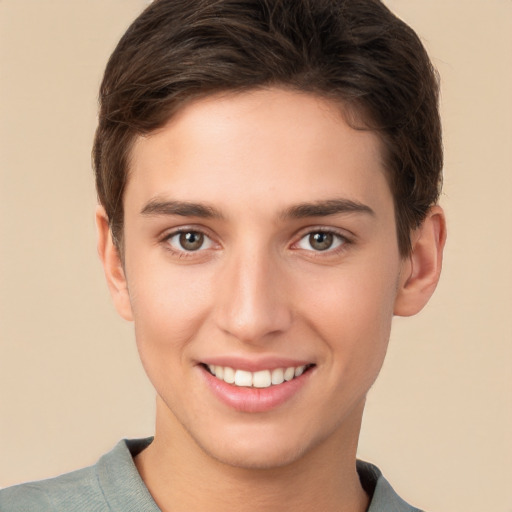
[(260, 248)]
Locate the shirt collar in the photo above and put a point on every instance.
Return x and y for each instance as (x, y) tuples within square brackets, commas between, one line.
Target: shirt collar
[(125, 491), (383, 497), (120, 481)]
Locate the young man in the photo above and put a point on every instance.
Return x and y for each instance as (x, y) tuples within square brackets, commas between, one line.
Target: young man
[(268, 172)]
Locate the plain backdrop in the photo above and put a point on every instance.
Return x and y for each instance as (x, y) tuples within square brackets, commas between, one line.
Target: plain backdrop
[(439, 419)]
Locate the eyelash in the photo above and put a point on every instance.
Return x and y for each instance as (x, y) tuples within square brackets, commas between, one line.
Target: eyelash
[(183, 253), (342, 242)]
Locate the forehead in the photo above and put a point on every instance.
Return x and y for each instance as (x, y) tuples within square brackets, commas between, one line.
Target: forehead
[(271, 144)]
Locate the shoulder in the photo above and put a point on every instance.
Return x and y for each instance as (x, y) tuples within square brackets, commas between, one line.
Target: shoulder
[(112, 484), (383, 496), (78, 490)]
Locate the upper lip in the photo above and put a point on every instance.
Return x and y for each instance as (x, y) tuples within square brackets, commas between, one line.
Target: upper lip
[(255, 364)]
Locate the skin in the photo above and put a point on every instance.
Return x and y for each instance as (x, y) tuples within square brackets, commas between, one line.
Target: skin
[(259, 288)]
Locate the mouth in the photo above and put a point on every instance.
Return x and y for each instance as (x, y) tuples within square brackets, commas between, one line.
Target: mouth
[(260, 379)]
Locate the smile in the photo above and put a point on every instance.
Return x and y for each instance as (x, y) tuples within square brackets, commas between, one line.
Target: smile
[(259, 379)]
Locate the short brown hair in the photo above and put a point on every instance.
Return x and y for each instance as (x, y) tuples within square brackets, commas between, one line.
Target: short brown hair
[(355, 52)]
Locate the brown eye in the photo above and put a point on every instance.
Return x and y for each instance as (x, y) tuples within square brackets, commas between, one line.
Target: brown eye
[(191, 240), (321, 241)]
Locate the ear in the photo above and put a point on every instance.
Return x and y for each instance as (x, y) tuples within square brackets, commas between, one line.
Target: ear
[(421, 269), (112, 266)]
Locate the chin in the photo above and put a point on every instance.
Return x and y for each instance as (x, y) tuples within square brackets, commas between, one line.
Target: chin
[(254, 458), (258, 448)]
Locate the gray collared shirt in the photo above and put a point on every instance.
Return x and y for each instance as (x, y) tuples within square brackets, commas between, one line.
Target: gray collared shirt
[(113, 484)]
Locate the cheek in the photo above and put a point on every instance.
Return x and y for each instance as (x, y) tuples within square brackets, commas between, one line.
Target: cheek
[(352, 311), (168, 305)]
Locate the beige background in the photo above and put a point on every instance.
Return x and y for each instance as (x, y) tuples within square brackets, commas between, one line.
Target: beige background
[(439, 420)]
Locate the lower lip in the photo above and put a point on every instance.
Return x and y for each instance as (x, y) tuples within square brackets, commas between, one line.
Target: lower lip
[(247, 399)]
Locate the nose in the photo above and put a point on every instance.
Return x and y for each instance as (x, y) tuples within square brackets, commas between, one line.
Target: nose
[(252, 304)]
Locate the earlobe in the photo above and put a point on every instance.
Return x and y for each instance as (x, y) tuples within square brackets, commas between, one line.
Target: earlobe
[(422, 268), (112, 266)]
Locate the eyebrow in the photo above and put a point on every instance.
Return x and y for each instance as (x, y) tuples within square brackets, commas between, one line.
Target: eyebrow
[(323, 208), (182, 208), (326, 208)]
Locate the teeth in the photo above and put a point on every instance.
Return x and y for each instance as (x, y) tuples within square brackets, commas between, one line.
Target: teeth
[(299, 371), (289, 373), (278, 376), (229, 375), (260, 379), (243, 378)]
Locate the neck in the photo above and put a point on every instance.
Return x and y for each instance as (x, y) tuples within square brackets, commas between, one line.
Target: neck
[(181, 476)]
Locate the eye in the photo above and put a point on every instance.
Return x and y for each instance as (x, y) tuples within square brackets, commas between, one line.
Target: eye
[(189, 241), (321, 241)]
